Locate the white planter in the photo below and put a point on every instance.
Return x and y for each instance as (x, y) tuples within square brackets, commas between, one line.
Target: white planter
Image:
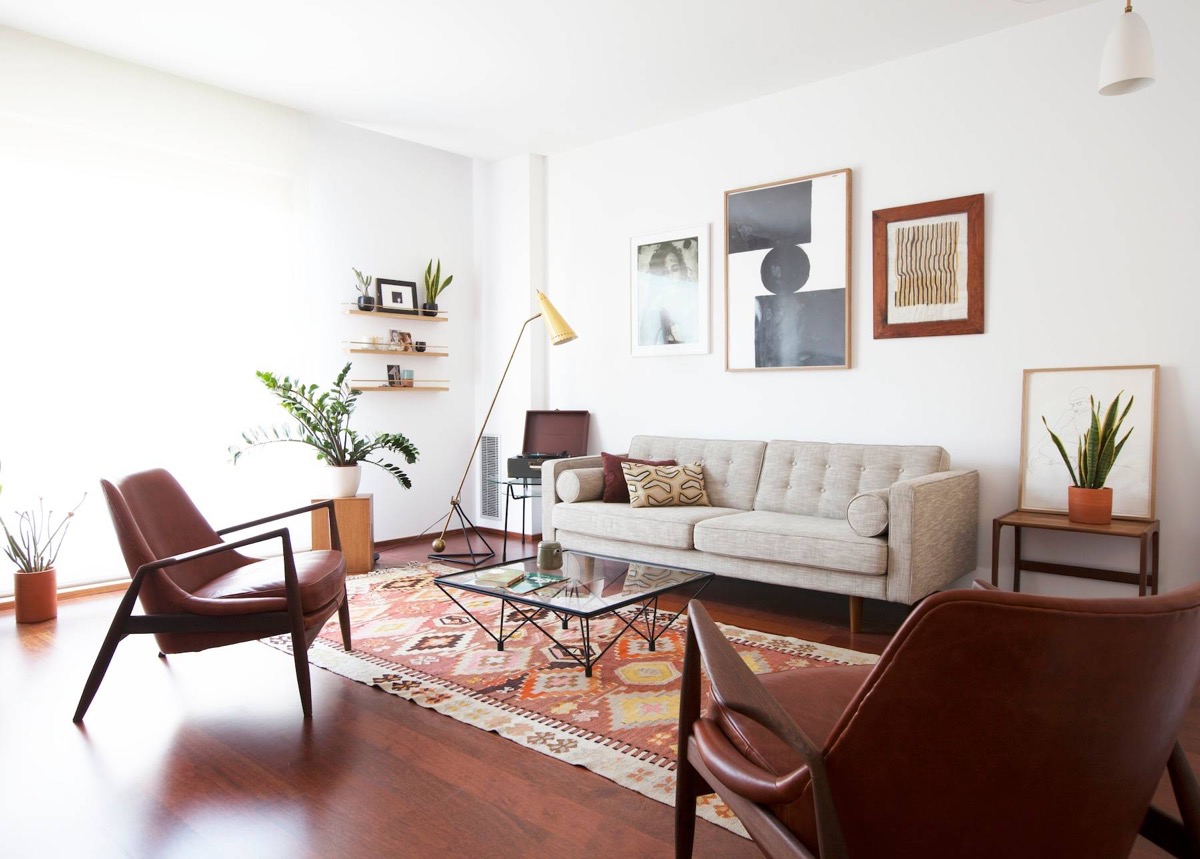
[(341, 481)]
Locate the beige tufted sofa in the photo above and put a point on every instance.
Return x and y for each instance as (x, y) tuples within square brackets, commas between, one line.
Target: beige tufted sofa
[(890, 522)]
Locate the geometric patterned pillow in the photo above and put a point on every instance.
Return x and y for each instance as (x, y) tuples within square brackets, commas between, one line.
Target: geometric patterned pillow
[(665, 485)]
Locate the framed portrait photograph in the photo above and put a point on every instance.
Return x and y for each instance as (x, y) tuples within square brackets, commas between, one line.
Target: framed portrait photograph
[(396, 296), (400, 341), (928, 268), (669, 293), (1064, 398), (787, 274)]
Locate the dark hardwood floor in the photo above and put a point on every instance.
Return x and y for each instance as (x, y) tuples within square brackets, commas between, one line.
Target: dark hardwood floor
[(207, 754)]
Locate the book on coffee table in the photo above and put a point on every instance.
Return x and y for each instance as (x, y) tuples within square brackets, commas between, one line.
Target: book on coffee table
[(502, 577)]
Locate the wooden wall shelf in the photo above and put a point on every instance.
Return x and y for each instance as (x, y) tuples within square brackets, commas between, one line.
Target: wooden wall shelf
[(398, 390), (410, 317), (397, 354)]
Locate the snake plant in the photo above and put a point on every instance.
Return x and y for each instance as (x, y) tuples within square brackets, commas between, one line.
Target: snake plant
[(324, 425), (1098, 448), (434, 285)]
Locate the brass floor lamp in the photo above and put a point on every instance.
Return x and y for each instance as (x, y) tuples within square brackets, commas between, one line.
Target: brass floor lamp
[(560, 332)]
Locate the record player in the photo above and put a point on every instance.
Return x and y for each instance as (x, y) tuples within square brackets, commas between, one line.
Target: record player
[(549, 435)]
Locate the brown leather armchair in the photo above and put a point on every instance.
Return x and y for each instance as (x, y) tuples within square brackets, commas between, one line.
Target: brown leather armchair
[(198, 591), (995, 724)]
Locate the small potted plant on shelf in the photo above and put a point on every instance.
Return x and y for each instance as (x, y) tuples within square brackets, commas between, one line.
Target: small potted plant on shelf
[(33, 546), (323, 423), (1089, 501), (434, 286), (366, 298)]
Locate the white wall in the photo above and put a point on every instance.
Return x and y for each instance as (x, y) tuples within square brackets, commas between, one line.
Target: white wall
[(1093, 208), (162, 240), (509, 258)]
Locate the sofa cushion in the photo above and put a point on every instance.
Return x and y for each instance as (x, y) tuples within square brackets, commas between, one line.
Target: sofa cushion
[(867, 512), (665, 485), (580, 484), (818, 479), (809, 540), (616, 491), (731, 468), (670, 527)]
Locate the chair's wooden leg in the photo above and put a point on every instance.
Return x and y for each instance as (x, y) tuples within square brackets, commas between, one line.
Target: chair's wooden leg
[(687, 783), (1187, 795), (344, 619), (300, 655), (116, 631), (856, 609)]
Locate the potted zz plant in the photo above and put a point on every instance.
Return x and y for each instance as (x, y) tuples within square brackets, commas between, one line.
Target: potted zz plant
[(323, 423), (434, 286), (33, 546), (1089, 501)]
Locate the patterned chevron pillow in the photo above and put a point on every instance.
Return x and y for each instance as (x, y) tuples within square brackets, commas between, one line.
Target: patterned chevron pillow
[(665, 485)]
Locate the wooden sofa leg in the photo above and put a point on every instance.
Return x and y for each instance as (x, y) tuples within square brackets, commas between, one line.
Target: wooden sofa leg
[(856, 607)]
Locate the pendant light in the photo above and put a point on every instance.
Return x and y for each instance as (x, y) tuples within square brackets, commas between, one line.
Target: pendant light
[(1128, 61)]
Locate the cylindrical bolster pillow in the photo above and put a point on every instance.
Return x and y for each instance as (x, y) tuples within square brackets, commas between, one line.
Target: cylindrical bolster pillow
[(868, 513), (580, 484)]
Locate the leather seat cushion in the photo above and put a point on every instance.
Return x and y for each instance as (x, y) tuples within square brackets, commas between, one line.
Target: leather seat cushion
[(321, 573)]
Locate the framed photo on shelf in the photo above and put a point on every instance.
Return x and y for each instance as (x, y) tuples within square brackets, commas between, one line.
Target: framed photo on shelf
[(669, 297), (928, 268), (1063, 397), (787, 274), (400, 341), (393, 374), (396, 296)]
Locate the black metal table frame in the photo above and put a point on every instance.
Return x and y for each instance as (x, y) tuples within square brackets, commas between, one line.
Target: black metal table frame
[(647, 610), (526, 484)]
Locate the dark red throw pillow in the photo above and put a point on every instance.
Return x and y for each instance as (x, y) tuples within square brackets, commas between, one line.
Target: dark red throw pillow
[(615, 490)]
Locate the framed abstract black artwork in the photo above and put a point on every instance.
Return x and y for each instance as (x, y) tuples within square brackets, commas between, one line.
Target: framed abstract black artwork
[(787, 274)]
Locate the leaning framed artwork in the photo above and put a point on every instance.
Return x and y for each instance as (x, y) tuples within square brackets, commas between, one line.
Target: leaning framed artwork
[(928, 268), (1064, 398), (787, 274), (396, 296), (669, 293)]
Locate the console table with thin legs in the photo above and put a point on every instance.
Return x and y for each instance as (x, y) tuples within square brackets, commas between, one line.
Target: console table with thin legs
[(1146, 533)]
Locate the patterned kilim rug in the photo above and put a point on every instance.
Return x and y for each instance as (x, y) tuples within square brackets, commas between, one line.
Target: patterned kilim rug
[(411, 641)]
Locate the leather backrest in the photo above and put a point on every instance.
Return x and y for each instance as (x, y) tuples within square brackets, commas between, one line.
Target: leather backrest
[(155, 519), (1001, 724)]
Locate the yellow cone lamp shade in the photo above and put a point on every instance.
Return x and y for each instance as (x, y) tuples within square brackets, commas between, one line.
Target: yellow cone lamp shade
[(558, 329), (1127, 64)]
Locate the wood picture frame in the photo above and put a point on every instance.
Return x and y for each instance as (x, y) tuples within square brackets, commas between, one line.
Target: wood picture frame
[(1062, 395), (928, 268), (669, 293), (787, 274), (396, 296)]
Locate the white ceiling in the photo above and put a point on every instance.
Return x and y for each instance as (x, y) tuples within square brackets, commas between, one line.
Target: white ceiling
[(493, 78)]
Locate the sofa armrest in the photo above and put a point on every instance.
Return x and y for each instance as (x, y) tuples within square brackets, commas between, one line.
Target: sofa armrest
[(551, 469), (933, 532)]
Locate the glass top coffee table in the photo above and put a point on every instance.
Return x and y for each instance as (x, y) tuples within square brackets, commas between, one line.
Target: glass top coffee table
[(587, 587)]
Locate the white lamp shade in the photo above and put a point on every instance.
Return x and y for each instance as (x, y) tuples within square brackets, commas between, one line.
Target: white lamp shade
[(1128, 61)]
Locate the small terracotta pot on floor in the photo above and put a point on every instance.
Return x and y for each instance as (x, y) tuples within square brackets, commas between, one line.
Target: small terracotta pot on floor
[(35, 596)]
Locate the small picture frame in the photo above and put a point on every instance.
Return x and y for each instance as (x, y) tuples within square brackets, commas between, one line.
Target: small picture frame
[(669, 293), (928, 268), (396, 296), (394, 375), (400, 341), (1063, 396)]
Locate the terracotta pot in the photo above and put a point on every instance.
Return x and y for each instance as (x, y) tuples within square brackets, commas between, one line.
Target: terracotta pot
[(1089, 506), (36, 596)]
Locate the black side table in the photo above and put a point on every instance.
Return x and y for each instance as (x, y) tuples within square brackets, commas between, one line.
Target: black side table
[(526, 485)]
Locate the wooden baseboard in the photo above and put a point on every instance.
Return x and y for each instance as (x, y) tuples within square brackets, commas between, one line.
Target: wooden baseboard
[(487, 532)]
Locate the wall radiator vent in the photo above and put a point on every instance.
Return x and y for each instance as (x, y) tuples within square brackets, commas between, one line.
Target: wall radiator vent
[(489, 470)]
